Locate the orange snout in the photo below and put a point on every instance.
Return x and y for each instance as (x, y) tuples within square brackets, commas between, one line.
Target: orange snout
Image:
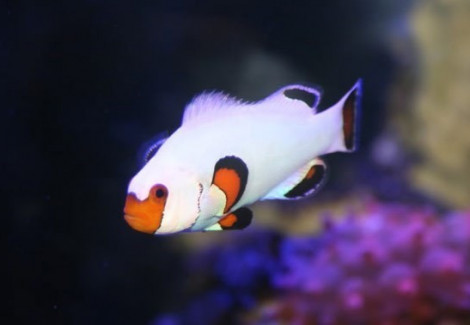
[(145, 216)]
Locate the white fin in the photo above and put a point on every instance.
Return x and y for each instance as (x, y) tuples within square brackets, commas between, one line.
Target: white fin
[(207, 104), (348, 110), (215, 227), (299, 185), (211, 205), (213, 201)]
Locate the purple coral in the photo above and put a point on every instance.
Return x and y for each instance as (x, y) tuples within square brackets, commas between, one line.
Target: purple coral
[(391, 262)]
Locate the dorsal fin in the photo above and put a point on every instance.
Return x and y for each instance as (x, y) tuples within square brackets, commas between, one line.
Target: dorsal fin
[(208, 103), (304, 182), (150, 148), (310, 96)]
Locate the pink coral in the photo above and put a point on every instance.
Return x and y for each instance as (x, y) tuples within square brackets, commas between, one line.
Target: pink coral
[(390, 264)]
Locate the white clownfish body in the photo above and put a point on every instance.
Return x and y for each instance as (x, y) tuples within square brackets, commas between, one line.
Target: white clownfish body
[(228, 154)]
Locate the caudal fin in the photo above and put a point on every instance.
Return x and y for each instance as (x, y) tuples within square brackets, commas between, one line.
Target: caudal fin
[(351, 108)]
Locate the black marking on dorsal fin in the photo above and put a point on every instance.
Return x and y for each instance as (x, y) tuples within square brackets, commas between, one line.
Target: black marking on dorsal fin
[(311, 183), (150, 148), (309, 96), (238, 219)]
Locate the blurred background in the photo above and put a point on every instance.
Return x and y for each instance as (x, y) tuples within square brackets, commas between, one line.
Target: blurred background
[(87, 82)]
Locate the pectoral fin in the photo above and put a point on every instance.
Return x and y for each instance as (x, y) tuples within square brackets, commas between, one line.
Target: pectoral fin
[(231, 176), (304, 182), (214, 227), (239, 219)]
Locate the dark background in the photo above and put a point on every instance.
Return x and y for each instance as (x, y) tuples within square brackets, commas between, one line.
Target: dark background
[(85, 83)]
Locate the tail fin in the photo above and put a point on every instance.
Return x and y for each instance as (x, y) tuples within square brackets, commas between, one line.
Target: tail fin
[(351, 109)]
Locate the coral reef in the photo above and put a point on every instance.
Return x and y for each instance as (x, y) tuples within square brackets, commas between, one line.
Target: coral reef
[(393, 264), (388, 264), (438, 129)]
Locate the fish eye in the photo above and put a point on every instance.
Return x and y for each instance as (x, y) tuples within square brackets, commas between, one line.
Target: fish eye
[(160, 191)]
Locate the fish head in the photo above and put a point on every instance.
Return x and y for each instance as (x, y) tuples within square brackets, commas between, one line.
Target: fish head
[(163, 202)]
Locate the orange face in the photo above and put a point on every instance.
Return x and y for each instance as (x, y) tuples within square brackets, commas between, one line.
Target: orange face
[(146, 216)]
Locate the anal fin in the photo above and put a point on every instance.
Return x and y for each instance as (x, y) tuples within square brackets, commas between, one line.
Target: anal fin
[(304, 182)]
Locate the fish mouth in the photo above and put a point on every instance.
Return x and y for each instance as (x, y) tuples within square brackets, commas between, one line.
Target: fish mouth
[(144, 216), (140, 224)]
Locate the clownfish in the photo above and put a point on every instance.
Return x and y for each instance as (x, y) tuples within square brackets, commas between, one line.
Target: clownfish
[(228, 154)]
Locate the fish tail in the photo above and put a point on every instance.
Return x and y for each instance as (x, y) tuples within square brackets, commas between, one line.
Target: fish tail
[(351, 117), (348, 110)]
